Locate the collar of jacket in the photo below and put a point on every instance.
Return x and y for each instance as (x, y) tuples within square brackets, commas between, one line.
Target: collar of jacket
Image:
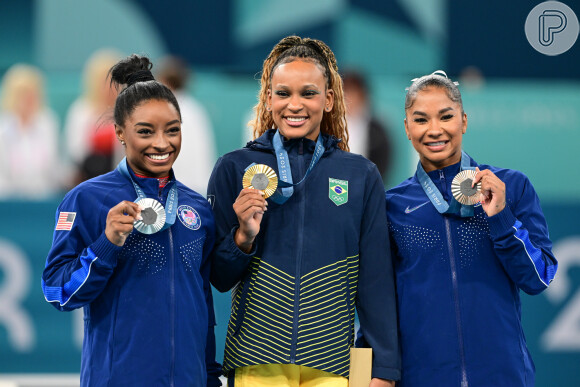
[(150, 185), (264, 142), (449, 171)]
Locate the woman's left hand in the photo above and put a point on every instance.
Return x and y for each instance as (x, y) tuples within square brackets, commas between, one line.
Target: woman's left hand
[(492, 191), (376, 382)]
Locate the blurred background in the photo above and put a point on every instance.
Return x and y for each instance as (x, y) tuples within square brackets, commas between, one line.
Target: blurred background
[(55, 130)]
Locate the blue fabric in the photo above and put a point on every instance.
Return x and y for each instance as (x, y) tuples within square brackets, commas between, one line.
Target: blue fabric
[(313, 263), (458, 282), (148, 307)]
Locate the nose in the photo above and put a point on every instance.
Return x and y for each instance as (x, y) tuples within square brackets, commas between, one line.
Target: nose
[(160, 141), (434, 128), (295, 103)]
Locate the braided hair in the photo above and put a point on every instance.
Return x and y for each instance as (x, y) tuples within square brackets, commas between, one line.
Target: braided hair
[(294, 48), (135, 72)]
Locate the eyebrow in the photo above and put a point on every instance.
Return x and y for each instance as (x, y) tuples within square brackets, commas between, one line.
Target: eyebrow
[(440, 111), (147, 124), (282, 86)]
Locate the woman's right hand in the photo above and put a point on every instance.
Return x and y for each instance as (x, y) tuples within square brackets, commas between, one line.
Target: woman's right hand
[(249, 206), (120, 221)]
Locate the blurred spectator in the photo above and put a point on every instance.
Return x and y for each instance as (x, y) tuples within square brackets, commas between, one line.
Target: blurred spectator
[(198, 151), (91, 144), (367, 136), (29, 156), (472, 78)]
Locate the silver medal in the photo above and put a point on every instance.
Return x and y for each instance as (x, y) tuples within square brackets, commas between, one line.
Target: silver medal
[(153, 215)]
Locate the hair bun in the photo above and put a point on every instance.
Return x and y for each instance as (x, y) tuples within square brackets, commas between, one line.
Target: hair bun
[(139, 76)]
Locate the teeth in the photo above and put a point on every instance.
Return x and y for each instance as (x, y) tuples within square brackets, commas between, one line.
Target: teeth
[(159, 157), (436, 143), (295, 119)]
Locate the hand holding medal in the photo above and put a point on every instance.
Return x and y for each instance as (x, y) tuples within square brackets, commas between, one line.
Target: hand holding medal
[(492, 195), (259, 182), (120, 219)]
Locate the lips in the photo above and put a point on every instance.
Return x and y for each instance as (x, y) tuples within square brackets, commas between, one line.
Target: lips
[(295, 121), (436, 145), (158, 157)]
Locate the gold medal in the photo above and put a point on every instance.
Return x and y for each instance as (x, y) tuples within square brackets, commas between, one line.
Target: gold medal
[(261, 177), (153, 215), (462, 190)]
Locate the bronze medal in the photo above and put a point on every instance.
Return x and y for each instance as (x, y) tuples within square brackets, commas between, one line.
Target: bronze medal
[(462, 190)]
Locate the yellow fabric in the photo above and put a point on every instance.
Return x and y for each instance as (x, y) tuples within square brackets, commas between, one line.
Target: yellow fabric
[(286, 375)]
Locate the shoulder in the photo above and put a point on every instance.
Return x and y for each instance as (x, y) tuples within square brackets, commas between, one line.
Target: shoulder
[(403, 188), (343, 158), (97, 190), (508, 176)]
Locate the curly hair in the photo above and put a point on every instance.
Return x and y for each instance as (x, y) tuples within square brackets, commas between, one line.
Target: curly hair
[(293, 48)]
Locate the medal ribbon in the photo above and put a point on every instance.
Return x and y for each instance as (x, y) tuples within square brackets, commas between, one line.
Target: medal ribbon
[(170, 209), (435, 196), (286, 187)]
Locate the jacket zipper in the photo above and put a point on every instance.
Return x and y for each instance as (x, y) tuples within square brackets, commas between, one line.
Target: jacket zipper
[(171, 300), (454, 282), (299, 244)]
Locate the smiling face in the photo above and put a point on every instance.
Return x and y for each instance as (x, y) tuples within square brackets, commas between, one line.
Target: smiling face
[(435, 125), (298, 99), (152, 136)]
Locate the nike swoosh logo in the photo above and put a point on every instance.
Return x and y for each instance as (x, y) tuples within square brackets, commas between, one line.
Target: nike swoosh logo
[(409, 210)]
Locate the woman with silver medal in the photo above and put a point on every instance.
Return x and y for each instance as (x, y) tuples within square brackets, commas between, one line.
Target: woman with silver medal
[(131, 248), (465, 239)]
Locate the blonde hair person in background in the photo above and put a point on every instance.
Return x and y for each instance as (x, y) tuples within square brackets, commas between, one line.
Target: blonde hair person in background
[(29, 156), (89, 137)]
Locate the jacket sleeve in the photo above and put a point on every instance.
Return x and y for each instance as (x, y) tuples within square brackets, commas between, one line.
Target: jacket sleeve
[(228, 262), (213, 368), (80, 261), (520, 237), (376, 303)]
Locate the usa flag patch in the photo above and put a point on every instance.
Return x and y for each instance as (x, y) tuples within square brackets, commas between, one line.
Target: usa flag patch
[(65, 220)]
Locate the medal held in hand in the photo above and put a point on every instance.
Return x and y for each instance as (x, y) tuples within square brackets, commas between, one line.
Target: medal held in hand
[(153, 215), (262, 177), (462, 190)]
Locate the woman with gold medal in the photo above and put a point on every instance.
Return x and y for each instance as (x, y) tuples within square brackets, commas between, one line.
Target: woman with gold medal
[(465, 239), (131, 248), (301, 260)]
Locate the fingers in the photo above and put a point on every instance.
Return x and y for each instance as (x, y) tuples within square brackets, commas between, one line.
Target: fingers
[(250, 201), (492, 191), (120, 221)]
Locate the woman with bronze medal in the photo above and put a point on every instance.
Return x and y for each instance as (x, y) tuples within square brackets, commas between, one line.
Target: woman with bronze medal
[(301, 234), (131, 248), (465, 239)]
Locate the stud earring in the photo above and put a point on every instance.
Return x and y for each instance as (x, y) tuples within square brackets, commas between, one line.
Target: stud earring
[(122, 142), (268, 108)]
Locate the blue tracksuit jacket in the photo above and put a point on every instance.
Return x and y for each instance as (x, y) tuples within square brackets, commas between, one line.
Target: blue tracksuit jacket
[(458, 282), (147, 304), (313, 261)]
